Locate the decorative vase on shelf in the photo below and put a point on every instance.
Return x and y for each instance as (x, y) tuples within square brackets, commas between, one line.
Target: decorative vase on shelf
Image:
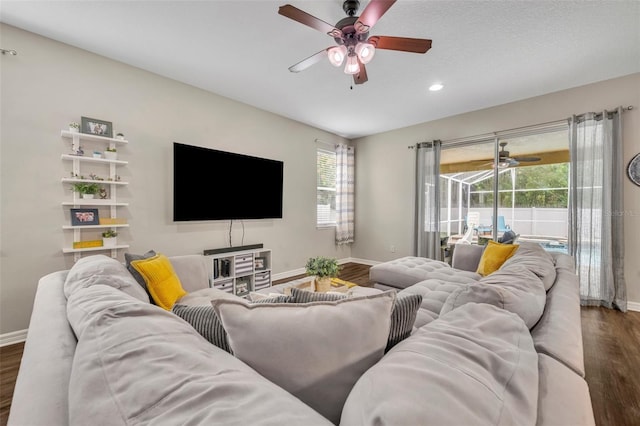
[(111, 155), (86, 196), (74, 127), (109, 242)]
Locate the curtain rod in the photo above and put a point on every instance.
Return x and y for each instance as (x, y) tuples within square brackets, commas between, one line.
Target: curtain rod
[(332, 144), (517, 131)]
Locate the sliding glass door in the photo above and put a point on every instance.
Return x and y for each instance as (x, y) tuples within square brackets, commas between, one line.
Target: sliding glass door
[(507, 186)]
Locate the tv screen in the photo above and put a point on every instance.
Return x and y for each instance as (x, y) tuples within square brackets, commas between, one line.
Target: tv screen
[(209, 184)]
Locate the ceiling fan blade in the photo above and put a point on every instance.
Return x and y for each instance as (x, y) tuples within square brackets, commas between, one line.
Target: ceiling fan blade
[(404, 44), (527, 158), (304, 18), (311, 60), (361, 77), (370, 15)]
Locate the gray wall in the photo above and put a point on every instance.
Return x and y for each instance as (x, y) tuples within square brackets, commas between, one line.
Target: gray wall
[(50, 84), (385, 167)]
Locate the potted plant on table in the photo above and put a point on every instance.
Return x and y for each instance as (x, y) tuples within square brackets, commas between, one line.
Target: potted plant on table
[(324, 268), (109, 238), (85, 189)]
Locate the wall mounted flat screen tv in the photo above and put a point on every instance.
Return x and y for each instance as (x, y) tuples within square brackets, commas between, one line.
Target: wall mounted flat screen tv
[(209, 184)]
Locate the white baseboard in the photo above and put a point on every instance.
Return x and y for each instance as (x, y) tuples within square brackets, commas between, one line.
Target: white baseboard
[(633, 306), (13, 337)]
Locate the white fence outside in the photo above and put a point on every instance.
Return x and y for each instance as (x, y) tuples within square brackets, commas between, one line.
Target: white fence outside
[(546, 222)]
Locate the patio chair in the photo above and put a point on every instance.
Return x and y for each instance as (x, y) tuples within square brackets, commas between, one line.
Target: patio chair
[(502, 226)]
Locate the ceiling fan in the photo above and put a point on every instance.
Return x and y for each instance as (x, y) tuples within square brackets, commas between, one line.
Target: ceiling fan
[(352, 37), (504, 160)]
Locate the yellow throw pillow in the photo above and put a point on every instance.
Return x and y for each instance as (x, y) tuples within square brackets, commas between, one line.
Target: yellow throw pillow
[(494, 255), (162, 282)]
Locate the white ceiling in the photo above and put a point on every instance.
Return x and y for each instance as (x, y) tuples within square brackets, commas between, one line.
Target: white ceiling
[(486, 53)]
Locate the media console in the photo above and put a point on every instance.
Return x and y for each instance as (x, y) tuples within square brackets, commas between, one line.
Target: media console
[(240, 270)]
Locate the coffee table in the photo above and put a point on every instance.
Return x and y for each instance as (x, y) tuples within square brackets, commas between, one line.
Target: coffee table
[(280, 288)]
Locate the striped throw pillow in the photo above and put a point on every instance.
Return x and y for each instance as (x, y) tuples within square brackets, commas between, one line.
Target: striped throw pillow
[(304, 296), (205, 321), (403, 315)]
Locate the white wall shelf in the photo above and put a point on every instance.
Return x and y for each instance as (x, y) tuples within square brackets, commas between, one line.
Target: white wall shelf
[(93, 160), (80, 250), (105, 172), (94, 202), (118, 225)]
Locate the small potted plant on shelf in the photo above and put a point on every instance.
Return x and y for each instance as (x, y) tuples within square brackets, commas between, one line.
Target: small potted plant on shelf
[(85, 189), (110, 154), (74, 127), (323, 268), (109, 238)]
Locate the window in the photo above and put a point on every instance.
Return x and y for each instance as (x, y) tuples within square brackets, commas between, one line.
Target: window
[(326, 187)]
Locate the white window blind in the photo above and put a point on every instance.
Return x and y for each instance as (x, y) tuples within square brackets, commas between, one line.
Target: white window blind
[(326, 187)]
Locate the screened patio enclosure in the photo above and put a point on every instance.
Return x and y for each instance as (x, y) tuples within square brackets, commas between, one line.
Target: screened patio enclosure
[(527, 205)]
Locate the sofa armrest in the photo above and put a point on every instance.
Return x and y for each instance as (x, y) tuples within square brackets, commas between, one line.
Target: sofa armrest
[(41, 392), (192, 270), (466, 256)]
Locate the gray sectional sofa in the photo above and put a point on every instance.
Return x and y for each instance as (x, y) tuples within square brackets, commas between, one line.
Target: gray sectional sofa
[(98, 352)]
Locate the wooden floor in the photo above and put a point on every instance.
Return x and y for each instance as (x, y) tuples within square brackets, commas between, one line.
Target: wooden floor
[(611, 355)]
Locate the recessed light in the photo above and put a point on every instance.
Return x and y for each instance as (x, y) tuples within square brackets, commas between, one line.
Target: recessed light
[(435, 87)]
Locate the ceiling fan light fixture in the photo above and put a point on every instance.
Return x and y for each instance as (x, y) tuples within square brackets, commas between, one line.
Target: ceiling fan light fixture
[(365, 52), (503, 164), (337, 55), (352, 66)]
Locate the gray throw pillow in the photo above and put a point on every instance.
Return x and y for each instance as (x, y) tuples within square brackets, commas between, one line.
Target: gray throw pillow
[(205, 321), (403, 314), (316, 351), (128, 258)]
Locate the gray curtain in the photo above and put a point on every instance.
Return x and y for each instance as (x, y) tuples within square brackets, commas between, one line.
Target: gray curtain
[(596, 235), (427, 225), (345, 194)]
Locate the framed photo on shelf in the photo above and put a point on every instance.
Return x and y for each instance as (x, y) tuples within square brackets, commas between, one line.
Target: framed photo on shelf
[(94, 126), (259, 263), (83, 217)]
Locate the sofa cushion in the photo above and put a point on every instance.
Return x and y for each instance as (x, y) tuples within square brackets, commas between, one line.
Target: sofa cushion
[(140, 364), (406, 271), (466, 256), (473, 366), (533, 257), (162, 282), (316, 351), (434, 294), (517, 290), (559, 389), (192, 270), (403, 313), (101, 269), (493, 256), (559, 332)]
